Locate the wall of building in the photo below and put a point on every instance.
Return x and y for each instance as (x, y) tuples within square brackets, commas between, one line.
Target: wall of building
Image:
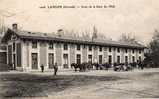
[(72, 51)]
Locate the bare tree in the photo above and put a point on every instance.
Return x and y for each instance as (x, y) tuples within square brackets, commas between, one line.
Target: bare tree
[(128, 38)]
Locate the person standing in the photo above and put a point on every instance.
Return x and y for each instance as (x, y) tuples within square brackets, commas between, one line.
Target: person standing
[(42, 68), (55, 69)]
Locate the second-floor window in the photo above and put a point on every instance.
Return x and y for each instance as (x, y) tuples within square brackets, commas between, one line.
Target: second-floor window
[(90, 48), (78, 47), (13, 46), (126, 50), (100, 49), (34, 44), (51, 46), (139, 51), (118, 50), (65, 47), (110, 50), (133, 51)]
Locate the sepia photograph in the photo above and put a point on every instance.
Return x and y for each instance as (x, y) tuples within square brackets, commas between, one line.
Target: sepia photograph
[(79, 49)]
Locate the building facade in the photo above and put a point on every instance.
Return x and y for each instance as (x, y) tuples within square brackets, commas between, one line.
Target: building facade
[(27, 51)]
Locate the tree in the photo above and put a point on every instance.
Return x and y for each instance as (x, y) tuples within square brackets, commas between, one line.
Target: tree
[(128, 38), (154, 47)]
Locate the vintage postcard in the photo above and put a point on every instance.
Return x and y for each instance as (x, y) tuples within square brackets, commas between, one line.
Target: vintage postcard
[(79, 49)]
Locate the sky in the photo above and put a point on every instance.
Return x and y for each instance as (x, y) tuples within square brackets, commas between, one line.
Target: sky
[(136, 17)]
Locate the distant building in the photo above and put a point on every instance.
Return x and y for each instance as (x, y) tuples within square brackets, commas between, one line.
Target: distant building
[(28, 50)]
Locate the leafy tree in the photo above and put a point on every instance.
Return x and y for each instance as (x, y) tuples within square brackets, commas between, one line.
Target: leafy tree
[(154, 46)]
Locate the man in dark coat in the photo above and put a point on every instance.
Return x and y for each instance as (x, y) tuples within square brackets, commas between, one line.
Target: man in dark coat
[(55, 69), (42, 68)]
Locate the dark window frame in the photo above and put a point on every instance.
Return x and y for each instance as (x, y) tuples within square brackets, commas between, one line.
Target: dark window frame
[(118, 49), (78, 47), (90, 48), (51, 45), (110, 49), (65, 47), (100, 48), (34, 44), (126, 50)]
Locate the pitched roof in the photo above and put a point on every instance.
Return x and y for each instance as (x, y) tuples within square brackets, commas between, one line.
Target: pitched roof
[(74, 39)]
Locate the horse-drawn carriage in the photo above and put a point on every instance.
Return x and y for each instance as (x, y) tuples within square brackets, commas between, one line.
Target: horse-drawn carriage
[(89, 66), (122, 67), (116, 66)]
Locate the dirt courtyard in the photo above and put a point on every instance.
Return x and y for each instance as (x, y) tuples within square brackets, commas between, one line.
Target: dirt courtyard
[(97, 84)]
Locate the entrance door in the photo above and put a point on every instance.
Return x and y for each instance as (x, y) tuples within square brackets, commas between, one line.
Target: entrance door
[(100, 59), (14, 62), (51, 60), (90, 58), (110, 59), (78, 59), (34, 61), (126, 59), (65, 60)]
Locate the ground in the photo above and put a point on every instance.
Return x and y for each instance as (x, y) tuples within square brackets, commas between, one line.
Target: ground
[(68, 84)]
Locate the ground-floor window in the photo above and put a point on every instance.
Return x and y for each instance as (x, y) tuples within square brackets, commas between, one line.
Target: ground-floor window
[(100, 59), (110, 59), (133, 59), (65, 60), (118, 59), (34, 61), (139, 58), (78, 58), (18, 51), (10, 55), (90, 58), (126, 59), (51, 60)]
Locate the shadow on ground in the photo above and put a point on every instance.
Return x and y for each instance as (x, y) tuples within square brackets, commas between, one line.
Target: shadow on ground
[(31, 85)]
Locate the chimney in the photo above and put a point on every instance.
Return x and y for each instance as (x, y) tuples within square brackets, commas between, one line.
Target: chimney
[(60, 32), (14, 26)]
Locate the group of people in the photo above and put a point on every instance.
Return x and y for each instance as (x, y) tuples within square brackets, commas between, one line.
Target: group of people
[(55, 67), (116, 66)]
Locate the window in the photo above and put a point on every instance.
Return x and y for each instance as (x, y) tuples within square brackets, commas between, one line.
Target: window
[(65, 47), (100, 59), (65, 60), (139, 51), (34, 44), (133, 51), (133, 59), (110, 59), (78, 60), (110, 50), (118, 59), (13, 46), (139, 58), (126, 50), (51, 46), (118, 50), (100, 49), (51, 60), (78, 47), (126, 59), (34, 61), (90, 48), (90, 58)]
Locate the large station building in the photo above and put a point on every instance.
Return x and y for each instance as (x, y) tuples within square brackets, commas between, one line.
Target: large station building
[(27, 51)]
